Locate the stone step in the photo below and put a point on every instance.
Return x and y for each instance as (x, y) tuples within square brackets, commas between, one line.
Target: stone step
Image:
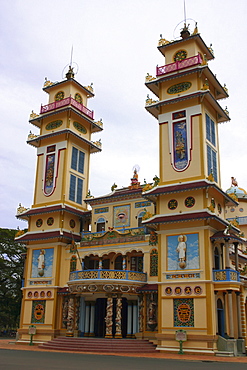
[(99, 345)]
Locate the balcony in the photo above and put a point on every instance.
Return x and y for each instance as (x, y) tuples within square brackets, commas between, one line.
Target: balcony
[(178, 65), (65, 102), (110, 275), (225, 275)]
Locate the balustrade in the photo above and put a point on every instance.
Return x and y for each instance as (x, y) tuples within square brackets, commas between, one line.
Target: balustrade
[(179, 64), (108, 275), (63, 103), (226, 275)]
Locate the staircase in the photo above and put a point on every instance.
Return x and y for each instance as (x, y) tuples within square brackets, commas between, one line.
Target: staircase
[(99, 345)]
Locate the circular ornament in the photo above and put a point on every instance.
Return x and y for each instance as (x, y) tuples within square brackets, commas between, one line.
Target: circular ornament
[(172, 204), (168, 290), (180, 55), (42, 294), (36, 294), (72, 223), (78, 98), (48, 294), (80, 127), (39, 222), (189, 202), (178, 290), (187, 290), (54, 124), (241, 210), (50, 221), (59, 96), (232, 209), (178, 88), (29, 294), (198, 290)]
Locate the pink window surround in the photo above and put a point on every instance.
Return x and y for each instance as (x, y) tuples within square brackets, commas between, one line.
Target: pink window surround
[(185, 63), (64, 103)]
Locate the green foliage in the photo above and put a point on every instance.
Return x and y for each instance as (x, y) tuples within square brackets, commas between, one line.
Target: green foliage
[(11, 274)]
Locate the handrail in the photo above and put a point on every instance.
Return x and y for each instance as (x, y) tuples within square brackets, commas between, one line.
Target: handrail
[(64, 102), (105, 274), (179, 64)]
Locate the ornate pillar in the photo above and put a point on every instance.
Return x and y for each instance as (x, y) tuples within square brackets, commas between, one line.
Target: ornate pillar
[(91, 326), (227, 259), (236, 255), (230, 314), (141, 313), (108, 318), (65, 312), (118, 319), (71, 317), (87, 319), (124, 262), (239, 315)]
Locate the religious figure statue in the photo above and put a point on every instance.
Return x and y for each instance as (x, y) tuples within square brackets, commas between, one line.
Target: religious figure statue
[(113, 187), (152, 314), (181, 250), (21, 209), (41, 262), (65, 312), (234, 181), (33, 115)]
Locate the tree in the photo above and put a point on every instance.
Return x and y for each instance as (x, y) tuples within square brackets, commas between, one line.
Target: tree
[(11, 274)]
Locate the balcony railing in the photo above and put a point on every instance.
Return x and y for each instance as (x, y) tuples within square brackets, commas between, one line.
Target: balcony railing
[(63, 103), (108, 275), (226, 275), (181, 64)]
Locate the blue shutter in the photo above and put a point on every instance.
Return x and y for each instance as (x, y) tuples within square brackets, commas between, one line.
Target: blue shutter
[(81, 162), (74, 159), (79, 191), (213, 132), (72, 188), (208, 128), (209, 158), (214, 160)]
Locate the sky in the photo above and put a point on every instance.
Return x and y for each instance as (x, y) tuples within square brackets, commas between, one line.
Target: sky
[(115, 46)]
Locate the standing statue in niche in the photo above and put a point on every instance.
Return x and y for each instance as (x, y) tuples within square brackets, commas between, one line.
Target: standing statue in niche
[(181, 249), (41, 262)]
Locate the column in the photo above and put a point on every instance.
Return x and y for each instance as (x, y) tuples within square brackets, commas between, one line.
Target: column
[(216, 313), (236, 255), (108, 318), (92, 311), (135, 319), (141, 312), (87, 319), (82, 316), (82, 264), (129, 320), (227, 259), (239, 315), (124, 262), (71, 318), (230, 314), (118, 319)]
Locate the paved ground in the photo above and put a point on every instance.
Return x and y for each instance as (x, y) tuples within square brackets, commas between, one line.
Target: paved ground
[(26, 357)]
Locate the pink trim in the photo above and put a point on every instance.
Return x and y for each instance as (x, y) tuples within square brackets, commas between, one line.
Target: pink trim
[(185, 63), (63, 103)]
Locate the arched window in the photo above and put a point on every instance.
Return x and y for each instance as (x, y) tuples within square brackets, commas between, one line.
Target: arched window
[(119, 263), (140, 219), (101, 224), (73, 261), (154, 262)]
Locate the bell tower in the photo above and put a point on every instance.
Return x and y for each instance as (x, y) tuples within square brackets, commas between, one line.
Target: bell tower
[(190, 205)]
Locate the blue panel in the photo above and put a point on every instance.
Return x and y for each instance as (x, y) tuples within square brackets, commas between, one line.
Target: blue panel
[(81, 162), (74, 159), (79, 191), (72, 188)]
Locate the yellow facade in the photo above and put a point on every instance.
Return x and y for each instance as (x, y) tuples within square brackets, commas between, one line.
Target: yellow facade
[(146, 260)]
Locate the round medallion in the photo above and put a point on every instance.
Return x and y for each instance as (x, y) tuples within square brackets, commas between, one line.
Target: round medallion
[(48, 294), (53, 125), (198, 290), (29, 294), (59, 96), (178, 290), (180, 55), (80, 127), (189, 202), (42, 294), (187, 290), (50, 221), (36, 294), (39, 222), (78, 98), (168, 290), (241, 210), (72, 223), (172, 204)]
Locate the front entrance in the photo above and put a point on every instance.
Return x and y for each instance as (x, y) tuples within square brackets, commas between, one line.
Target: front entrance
[(100, 314), (221, 318)]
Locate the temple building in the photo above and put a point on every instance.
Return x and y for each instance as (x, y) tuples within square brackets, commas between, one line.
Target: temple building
[(163, 261)]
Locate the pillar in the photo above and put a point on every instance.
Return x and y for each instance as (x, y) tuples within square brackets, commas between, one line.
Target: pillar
[(141, 313), (124, 262), (236, 255), (108, 318), (239, 315), (216, 313), (91, 326), (135, 319), (227, 258), (87, 319), (230, 314), (118, 319), (71, 318)]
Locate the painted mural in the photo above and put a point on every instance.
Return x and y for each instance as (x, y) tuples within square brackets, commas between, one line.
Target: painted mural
[(121, 216), (183, 252), (180, 153), (49, 174), (38, 312), (183, 312), (42, 263)]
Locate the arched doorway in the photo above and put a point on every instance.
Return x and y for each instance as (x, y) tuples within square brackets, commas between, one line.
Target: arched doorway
[(221, 318)]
